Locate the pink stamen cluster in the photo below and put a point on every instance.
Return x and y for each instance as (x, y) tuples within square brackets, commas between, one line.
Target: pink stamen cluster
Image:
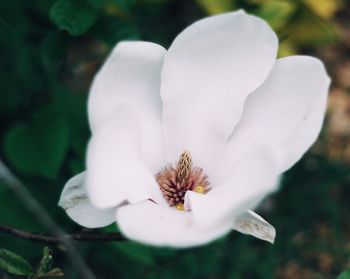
[(174, 182)]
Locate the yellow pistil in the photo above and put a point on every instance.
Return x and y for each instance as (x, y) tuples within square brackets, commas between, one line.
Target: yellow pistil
[(180, 207), (199, 189)]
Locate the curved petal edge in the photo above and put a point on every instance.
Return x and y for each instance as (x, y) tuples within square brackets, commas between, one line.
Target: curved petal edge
[(149, 223), (251, 223), (75, 202)]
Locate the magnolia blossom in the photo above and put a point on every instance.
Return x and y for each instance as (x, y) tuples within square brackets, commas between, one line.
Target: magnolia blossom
[(186, 141)]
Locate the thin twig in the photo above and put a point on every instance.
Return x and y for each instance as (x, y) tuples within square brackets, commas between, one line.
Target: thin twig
[(14, 184), (42, 237)]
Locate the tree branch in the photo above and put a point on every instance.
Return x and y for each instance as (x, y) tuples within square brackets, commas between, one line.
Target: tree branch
[(15, 185), (42, 237)]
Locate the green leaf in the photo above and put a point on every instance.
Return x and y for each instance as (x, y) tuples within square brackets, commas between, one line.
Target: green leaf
[(277, 12), (309, 30), (344, 275), (39, 146), (14, 264), (45, 266), (73, 16), (325, 8)]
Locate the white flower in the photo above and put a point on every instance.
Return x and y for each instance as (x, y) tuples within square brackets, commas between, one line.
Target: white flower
[(220, 108)]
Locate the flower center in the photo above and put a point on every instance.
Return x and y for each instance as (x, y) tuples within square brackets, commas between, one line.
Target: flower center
[(174, 182)]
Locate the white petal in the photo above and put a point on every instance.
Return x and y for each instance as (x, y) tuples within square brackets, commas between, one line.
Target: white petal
[(207, 74), (251, 223), (132, 73), (306, 133), (253, 177), (116, 171), (149, 223), (286, 112), (75, 202)]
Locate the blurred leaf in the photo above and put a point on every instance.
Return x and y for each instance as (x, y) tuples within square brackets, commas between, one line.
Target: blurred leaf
[(39, 146), (310, 30), (137, 252), (14, 264), (324, 8), (344, 275), (73, 16), (286, 48), (276, 12), (215, 7)]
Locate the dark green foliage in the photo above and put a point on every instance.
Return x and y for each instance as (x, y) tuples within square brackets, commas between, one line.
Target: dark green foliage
[(73, 16), (16, 265), (136, 252)]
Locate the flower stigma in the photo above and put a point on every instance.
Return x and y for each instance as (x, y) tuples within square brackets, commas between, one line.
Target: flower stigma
[(174, 182)]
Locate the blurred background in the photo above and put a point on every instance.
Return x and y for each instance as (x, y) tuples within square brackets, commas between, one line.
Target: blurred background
[(50, 50)]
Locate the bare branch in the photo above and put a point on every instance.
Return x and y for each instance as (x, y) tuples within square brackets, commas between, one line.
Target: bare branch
[(42, 237), (15, 185)]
